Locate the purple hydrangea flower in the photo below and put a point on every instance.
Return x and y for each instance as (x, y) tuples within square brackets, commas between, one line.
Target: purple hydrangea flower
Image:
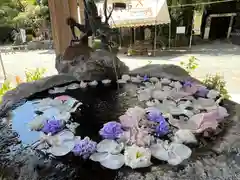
[(52, 126), (162, 128), (202, 92), (145, 78), (84, 148), (154, 114), (187, 83), (111, 130)]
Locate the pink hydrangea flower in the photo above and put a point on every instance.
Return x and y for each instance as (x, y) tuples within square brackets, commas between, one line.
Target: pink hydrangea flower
[(63, 98), (132, 117), (128, 121), (138, 136)]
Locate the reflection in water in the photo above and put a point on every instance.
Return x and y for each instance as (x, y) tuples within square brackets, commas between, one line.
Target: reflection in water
[(22, 115)]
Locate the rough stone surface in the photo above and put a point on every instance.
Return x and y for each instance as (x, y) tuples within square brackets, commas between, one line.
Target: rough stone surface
[(220, 160), (98, 65)]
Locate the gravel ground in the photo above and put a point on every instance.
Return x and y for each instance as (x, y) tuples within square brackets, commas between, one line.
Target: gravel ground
[(218, 57)]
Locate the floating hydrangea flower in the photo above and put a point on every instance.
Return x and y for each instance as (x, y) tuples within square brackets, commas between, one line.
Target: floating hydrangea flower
[(202, 92), (52, 126), (162, 128), (137, 157), (132, 117), (111, 130), (187, 83), (145, 78), (63, 98), (84, 148), (154, 114), (137, 136)]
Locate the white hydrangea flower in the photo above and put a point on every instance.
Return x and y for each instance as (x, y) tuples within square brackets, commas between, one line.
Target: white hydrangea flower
[(106, 81), (173, 153), (212, 94), (184, 136), (137, 157), (144, 94), (72, 126), (136, 79), (121, 81), (83, 84), (73, 86), (109, 154), (57, 90), (165, 81), (93, 83), (61, 143), (154, 79), (126, 77)]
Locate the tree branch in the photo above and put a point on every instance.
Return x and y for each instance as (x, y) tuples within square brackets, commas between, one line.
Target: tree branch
[(110, 14), (105, 10), (22, 7)]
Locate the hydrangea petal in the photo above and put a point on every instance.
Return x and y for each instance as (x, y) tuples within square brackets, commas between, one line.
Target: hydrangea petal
[(113, 161), (175, 160), (159, 152), (154, 79), (180, 150), (204, 102), (118, 149), (144, 95), (191, 89), (93, 83), (73, 86), (160, 95), (212, 94), (128, 121), (107, 145), (98, 157), (165, 81), (62, 150), (176, 95), (184, 136), (136, 80), (121, 81), (126, 77), (158, 86), (83, 84)]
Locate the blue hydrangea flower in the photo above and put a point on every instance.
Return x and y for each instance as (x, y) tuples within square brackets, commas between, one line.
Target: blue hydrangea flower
[(162, 128), (84, 148), (145, 78), (202, 92), (111, 130), (187, 83), (154, 114), (52, 126)]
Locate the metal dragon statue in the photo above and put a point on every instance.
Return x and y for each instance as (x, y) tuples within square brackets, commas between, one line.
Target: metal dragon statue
[(85, 62), (93, 26)]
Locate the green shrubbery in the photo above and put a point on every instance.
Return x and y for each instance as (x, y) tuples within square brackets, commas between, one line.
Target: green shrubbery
[(30, 75), (190, 65), (33, 75), (216, 81)]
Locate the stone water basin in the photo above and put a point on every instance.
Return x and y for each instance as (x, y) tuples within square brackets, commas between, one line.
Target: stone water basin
[(100, 105)]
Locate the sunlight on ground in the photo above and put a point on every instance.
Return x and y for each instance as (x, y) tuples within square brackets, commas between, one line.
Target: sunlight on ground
[(223, 59)]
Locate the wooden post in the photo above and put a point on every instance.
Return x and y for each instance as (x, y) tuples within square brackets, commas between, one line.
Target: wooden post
[(81, 11), (60, 10)]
